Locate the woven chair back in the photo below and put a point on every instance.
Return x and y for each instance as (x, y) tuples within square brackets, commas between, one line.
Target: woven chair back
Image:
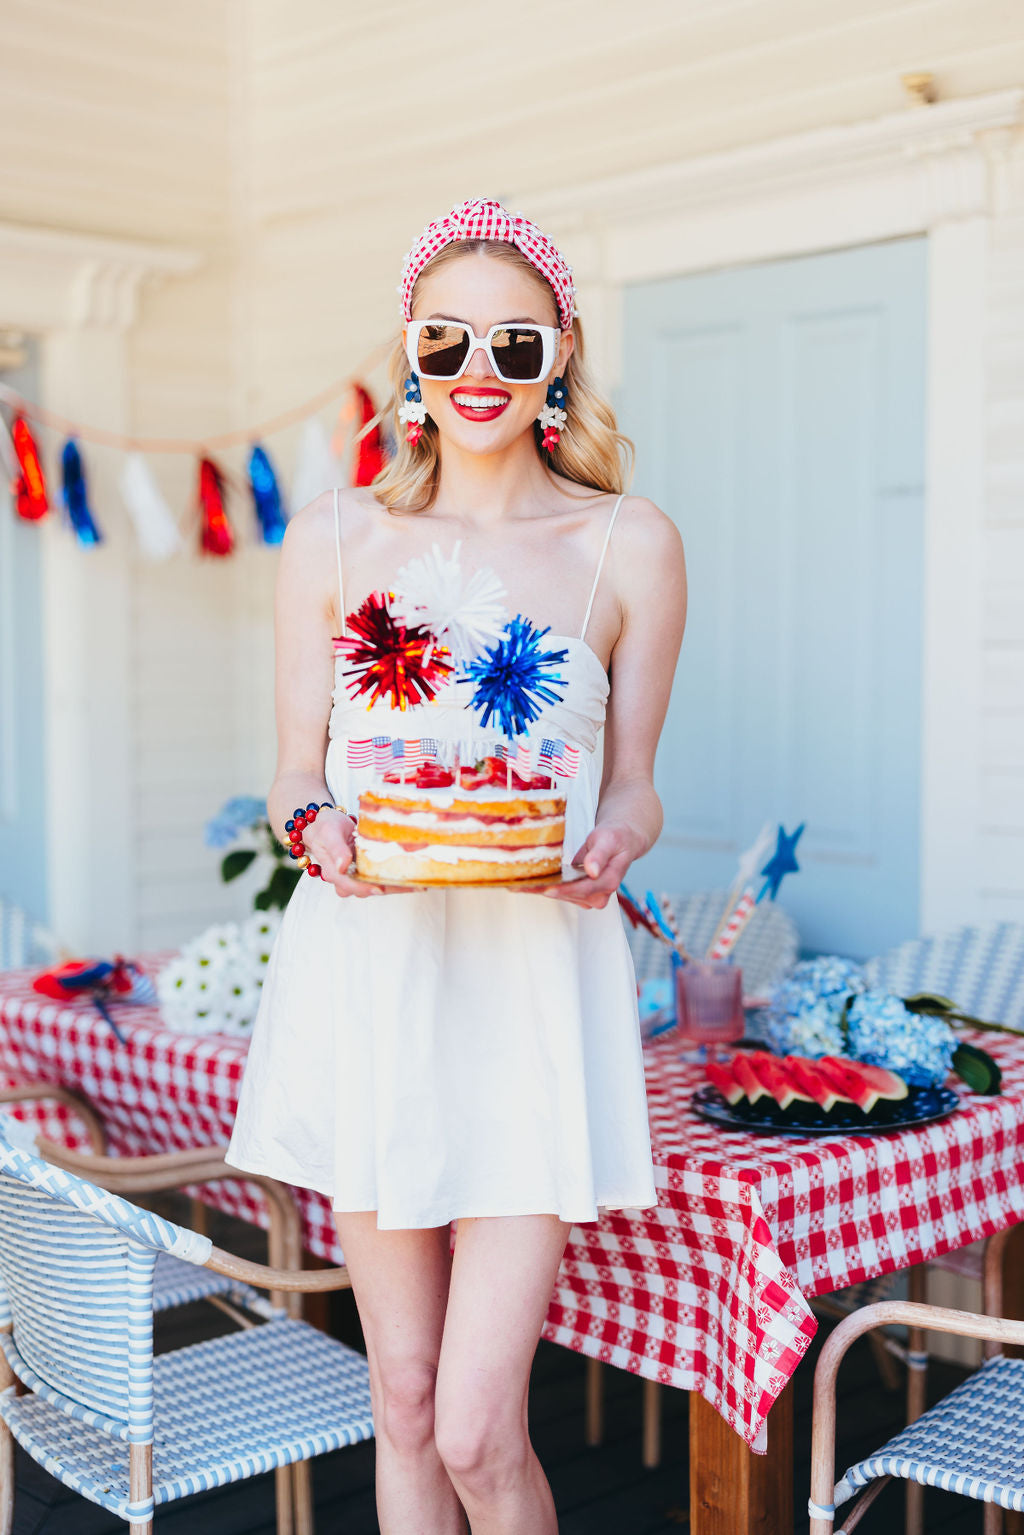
[(76, 1269), (980, 968)]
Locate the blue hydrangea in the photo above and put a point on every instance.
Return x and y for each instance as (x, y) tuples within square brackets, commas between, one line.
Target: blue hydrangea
[(813, 1032), (883, 1032), (236, 815)]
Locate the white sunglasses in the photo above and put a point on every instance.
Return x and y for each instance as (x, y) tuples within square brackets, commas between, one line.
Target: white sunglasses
[(518, 354)]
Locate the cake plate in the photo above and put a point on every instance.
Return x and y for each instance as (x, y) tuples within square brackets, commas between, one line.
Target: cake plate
[(537, 882)]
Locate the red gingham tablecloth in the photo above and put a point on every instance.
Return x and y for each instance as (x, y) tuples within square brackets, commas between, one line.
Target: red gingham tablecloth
[(707, 1292)]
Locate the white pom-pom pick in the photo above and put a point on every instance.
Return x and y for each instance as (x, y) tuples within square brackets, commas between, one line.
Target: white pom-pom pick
[(155, 527), (464, 614)]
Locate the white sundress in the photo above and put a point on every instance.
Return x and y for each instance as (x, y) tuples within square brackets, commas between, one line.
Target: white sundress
[(453, 1052)]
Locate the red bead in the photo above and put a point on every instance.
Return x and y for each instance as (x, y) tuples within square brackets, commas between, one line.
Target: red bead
[(310, 816), (314, 869), (295, 835), (296, 850), (300, 820)]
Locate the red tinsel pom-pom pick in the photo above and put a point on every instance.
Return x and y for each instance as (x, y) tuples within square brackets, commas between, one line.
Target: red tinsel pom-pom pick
[(29, 488), (216, 533), (390, 659)]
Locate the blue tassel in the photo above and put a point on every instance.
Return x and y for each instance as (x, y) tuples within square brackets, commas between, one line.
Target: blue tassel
[(76, 495), (266, 496)]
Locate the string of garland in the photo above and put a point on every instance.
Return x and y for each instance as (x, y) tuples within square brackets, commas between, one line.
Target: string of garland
[(156, 527)]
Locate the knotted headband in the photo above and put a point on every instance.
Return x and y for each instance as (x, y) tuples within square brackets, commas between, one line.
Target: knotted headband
[(480, 218)]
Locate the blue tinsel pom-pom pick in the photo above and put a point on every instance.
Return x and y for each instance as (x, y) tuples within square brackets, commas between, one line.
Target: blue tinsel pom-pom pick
[(515, 678)]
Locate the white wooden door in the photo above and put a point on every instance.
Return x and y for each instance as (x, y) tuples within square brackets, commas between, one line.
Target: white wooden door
[(778, 414)]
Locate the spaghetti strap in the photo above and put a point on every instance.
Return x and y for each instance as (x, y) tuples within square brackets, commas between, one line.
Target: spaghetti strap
[(600, 563), (337, 551)]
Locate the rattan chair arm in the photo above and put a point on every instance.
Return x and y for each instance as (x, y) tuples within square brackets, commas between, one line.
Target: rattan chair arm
[(264, 1278), (24, 1092), (964, 1324), (88, 1164)]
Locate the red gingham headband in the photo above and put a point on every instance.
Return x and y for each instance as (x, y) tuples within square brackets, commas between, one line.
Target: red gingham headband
[(480, 218)]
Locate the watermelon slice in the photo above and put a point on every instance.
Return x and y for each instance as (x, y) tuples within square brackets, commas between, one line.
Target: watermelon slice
[(865, 1085), (815, 1083), (747, 1077), (722, 1078), (772, 1073)]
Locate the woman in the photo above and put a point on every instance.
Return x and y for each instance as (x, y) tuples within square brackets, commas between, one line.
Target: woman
[(473, 1054)]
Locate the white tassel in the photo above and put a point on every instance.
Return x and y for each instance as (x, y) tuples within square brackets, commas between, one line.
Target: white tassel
[(317, 469), (155, 526)]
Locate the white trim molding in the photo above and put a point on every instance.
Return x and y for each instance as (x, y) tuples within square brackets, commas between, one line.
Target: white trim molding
[(61, 279), (939, 170)]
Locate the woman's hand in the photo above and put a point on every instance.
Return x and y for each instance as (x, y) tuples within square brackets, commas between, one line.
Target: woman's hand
[(331, 843), (604, 859)]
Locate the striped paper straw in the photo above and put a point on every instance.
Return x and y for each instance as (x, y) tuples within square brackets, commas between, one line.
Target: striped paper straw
[(735, 925)]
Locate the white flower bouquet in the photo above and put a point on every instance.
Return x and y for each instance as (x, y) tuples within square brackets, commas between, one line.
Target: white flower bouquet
[(213, 985)]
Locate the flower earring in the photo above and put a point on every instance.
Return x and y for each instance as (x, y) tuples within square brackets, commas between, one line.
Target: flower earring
[(553, 416), (413, 413)]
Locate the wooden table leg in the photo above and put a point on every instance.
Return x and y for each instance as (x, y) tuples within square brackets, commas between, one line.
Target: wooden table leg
[(732, 1490)]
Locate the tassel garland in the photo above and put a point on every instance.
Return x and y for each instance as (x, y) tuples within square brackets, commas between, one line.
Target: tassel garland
[(369, 457), (155, 526)]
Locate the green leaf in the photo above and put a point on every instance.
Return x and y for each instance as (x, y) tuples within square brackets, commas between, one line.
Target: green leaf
[(279, 890), (236, 863), (978, 1069), (929, 1002)]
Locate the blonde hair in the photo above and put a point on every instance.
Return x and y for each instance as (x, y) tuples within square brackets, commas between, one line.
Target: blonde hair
[(591, 450)]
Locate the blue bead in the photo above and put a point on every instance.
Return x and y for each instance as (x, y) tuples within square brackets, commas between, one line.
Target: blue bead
[(298, 813), (289, 825), (312, 805)]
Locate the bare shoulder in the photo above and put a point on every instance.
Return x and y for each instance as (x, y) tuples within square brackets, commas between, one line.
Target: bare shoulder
[(312, 528), (647, 552)]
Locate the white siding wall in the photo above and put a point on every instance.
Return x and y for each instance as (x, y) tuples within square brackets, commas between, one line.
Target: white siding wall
[(116, 119)]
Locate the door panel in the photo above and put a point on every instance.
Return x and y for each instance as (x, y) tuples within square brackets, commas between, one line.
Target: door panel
[(778, 416)]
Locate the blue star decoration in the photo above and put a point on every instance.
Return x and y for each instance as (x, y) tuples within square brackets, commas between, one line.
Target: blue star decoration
[(782, 862)]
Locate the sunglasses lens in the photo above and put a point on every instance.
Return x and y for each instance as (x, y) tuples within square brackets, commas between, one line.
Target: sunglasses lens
[(441, 350), (518, 354)]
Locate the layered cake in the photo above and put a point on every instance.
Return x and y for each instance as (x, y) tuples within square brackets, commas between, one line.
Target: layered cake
[(432, 829)]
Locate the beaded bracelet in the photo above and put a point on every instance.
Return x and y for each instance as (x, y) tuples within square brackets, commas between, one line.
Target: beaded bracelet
[(297, 825)]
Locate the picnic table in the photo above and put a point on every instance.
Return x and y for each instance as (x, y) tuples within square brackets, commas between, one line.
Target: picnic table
[(709, 1292)]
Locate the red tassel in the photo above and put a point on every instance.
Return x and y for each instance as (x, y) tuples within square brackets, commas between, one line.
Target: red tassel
[(30, 485), (217, 535), (369, 457)]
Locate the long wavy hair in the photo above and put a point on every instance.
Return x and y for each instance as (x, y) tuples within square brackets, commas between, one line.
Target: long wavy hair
[(591, 450)]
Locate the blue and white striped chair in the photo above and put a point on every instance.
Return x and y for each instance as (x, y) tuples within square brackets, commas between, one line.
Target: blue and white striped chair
[(175, 1283), (969, 1443), (765, 951), (80, 1389)]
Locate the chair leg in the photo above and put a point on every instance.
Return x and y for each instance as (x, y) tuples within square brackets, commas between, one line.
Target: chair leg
[(652, 1425), (285, 1505), (302, 1486), (917, 1391), (593, 1430), (140, 1485), (993, 1520), (6, 1479)]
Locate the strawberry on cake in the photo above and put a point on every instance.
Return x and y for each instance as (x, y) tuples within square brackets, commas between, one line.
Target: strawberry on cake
[(488, 824)]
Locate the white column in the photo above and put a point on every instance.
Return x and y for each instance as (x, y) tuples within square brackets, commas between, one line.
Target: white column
[(87, 627)]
